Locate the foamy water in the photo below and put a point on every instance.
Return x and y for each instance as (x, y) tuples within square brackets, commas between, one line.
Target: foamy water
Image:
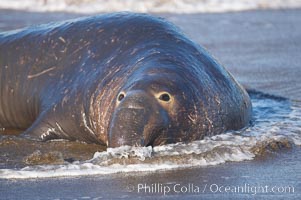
[(171, 6), (276, 126)]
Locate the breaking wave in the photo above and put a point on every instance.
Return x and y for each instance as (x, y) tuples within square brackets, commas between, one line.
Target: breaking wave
[(158, 6)]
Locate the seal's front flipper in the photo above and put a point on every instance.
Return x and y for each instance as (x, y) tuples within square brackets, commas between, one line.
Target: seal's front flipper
[(41, 129)]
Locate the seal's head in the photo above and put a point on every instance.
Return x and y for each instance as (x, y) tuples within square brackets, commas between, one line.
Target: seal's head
[(156, 108), (170, 90)]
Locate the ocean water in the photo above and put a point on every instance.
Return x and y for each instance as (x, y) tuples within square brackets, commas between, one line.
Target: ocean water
[(154, 6), (276, 126)]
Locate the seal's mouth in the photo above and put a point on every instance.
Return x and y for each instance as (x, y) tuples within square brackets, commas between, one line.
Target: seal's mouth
[(156, 136)]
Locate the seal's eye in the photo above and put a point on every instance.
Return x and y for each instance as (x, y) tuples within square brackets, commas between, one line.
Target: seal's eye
[(121, 96), (164, 97)]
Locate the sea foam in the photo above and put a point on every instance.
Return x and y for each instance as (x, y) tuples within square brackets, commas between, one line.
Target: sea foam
[(158, 6)]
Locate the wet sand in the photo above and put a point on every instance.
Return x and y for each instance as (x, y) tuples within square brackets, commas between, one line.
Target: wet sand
[(278, 169), (262, 50)]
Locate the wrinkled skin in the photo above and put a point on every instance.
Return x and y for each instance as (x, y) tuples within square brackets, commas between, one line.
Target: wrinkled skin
[(115, 79)]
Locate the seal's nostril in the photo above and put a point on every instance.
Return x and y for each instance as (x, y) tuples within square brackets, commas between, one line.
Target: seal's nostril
[(164, 97)]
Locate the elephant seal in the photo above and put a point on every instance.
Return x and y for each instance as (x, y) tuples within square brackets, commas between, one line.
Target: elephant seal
[(115, 79)]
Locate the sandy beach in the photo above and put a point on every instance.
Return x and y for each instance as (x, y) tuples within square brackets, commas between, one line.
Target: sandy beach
[(261, 48), (281, 169)]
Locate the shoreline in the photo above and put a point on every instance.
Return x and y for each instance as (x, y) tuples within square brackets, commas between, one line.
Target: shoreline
[(262, 172)]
